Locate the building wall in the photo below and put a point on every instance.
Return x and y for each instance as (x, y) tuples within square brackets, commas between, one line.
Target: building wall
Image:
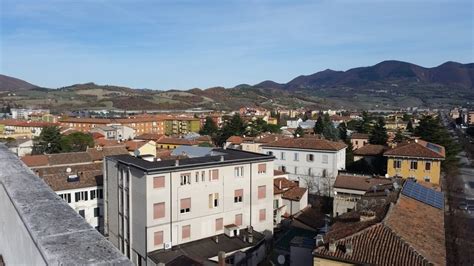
[(420, 173), (87, 205), (345, 199), (293, 207), (252, 147), (300, 169), (327, 262), (359, 143)]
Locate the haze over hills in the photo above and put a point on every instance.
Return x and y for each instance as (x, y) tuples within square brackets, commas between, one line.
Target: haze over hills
[(389, 84)]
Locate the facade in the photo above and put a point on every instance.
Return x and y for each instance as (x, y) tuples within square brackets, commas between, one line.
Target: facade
[(18, 128), (170, 143), (359, 140), (141, 125), (153, 206), (416, 159), (115, 132), (313, 162), (181, 125), (21, 147), (288, 197)]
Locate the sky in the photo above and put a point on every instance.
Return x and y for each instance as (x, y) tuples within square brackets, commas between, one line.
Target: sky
[(188, 44)]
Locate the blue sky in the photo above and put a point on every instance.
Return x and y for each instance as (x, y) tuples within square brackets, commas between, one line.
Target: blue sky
[(187, 44)]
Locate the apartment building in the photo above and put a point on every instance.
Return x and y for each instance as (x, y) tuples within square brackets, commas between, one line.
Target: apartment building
[(146, 124), (160, 211), (115, 132), (181, 125), (20, 128), (313, 162), (359, 140)]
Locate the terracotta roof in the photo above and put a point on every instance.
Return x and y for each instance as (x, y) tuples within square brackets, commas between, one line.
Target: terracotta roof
[(278, 172), (56, 177), (294, 193), (97, 135), (235, 139), (35, 160), (23, 123), (308, 143), (107, 142), (85, 120), (370, 150), (357, 182), (149, 136), (417, 148), (97, 155), (204, 138), (133, 145), (69, 158), (177, 141), (359, 136), (268, 138), (281, 184)]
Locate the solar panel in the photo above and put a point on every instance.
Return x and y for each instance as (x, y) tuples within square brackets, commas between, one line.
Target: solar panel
[(433, 147), (426, 195)]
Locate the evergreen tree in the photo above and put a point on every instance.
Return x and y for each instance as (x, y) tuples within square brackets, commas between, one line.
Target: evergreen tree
[(319, 126), (49, 141), (410, 126), (349, 154), (378, 135), (364, 125), (209, 128), (330, 132), (299, 132), (342, 131), (399, 137), (76, 142)]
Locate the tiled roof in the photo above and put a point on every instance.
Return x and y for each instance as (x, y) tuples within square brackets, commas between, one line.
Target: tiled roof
[(235, 139), (176, 141), (370, 150), (133, 145), (282, 184), (56, 177), (417, 148), (294, 193), (107, 142), (97, 135), (357, 182), (359, 136), (97, 155), (149, 136), (86, 120), (35, 160), (69, 158), (278, 172), (22, 123), (308, 143)]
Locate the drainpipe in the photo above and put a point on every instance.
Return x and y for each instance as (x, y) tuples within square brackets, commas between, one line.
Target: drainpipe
[(251, 201)]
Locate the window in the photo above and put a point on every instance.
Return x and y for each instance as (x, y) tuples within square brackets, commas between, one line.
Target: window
[(186, 232), (214, 174), (357, 142), (239, 171), (83, 195), (427, 179), (185, 179), (262, 215), (238, 219), (397, 164), (270, 153), (82, 213), (158, 210), (282, 155), (283, 169), (93, 194), (296, 170), (100, 193), (203, 176), (276, 204), (325, 158), (413, 165), (185, 205), (238, 195), (96, 212), (310, 158), (158, 182), (296, 157), (310, 172), (427, 166), (219, 224), (262, 168), (213, 200), (197, 177), (158, 238), (66, 197), (262, 192)]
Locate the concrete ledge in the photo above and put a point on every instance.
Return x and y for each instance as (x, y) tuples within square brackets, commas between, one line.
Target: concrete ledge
[(38, 227)]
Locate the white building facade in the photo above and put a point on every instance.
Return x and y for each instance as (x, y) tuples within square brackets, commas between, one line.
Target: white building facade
[(154, 206), (315, 163)]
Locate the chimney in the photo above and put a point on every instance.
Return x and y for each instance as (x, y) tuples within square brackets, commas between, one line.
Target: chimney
[(279, 185), (222, 158), (332, 246), (349, 248), (176, 163), (221, 258)]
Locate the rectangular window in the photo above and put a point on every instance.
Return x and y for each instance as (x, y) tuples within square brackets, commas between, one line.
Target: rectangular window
[(282, 155), (158, 238), (158, 210), (219, 224), (262, 191), (239, 171), (413, 165), (83, 195), (185, 179), (197, 176), (276, 204), (296, 157), (100, 194), (262, 168), (262, 215), (213, 200), (325, 158), (82, 213), (96, 212), (310, 157), (238, 195), (310, 172), (238, 219), (93, 194), (185, 205), (158, 182), (427, 166), (186, 232), (203, 176), (214, 174), (296, 170)]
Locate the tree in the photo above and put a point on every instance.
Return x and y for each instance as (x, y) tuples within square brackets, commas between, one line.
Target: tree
[(319, 126), (210, 127), (342, 131), (364, 125), (76, 142), (205, 144), (299, 132), (233, 127), (349, 153), (410, 126), (378, 135), (49, 141), (399, 137)]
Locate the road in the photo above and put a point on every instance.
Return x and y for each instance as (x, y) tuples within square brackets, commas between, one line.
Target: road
[(458, 185)]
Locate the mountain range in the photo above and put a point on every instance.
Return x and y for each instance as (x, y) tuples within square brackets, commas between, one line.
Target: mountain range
[(388, 84)]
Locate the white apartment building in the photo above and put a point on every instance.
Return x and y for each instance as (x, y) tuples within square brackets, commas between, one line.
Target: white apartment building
[(160, 211), (315, 163)]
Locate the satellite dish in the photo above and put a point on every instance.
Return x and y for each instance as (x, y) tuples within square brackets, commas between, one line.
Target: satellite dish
[(68, 170), (136, 153), (387, 176), (281, 259)]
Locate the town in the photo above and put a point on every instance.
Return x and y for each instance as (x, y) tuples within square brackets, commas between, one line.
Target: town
[(253, 186)]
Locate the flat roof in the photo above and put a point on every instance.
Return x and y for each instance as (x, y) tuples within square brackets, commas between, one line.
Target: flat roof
[(229, 156)]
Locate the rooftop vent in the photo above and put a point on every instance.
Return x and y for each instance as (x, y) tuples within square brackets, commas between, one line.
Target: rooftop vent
[(332, 246), (72, 178), (349, 248), (367, 216)]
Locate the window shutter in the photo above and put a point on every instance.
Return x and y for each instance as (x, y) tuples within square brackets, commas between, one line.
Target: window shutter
[(158, 181), (158, 238), (239, 193), (186, 203), (158, 210), (261, 192), (262, 215)]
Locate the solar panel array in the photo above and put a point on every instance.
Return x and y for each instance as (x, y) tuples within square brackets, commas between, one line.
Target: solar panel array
[(423, 194), (433, 147)]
